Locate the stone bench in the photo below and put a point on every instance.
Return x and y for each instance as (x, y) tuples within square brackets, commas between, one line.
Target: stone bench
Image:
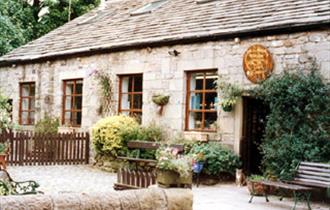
[(144, 199)]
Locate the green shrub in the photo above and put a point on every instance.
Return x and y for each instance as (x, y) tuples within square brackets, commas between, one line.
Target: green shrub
[(107, 134), (219, 159), (298, 125), (144, 133), (47, 125)]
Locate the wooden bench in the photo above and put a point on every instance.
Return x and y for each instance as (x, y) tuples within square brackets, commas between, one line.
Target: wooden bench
[(139, 178), (308, 177)]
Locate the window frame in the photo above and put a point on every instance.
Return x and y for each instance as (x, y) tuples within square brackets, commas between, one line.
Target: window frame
[(203, 92), (73, 95), (130, 93), (29, 98)]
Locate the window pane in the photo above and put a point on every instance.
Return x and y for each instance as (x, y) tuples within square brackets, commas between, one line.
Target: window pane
[(211, 79), (79, 117), (138, 84), (79, 87), (68, 102), (32, 104), (210, 101), (196, 81), (33, 90), (25, 90), (78, 102), (196, 101), (67, 118), (25, 104), (125, 101), (24, 118), (210, 120), (124, 84), (32, 118), (69, 85), (137, 101), (195, 120)]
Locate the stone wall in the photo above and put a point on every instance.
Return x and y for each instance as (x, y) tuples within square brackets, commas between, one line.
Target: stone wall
[(147, 199), (164, 73)]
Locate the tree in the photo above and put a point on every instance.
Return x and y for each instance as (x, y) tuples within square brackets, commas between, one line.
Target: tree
[(24, 20)]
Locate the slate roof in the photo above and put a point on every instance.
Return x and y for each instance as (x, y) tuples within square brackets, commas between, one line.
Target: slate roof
[(113, 27)]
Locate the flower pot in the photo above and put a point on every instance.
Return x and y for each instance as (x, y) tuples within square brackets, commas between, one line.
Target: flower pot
[(256, 188), (227, 108), (170, 178), (198, 167)]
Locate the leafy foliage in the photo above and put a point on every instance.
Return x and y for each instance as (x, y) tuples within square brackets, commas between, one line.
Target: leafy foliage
[(47, 125), (107, 134), (218, 158), (20, 22), (229, 92), (298, 125), (5, 120)]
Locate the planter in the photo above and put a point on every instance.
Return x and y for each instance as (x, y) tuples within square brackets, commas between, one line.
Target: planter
[(169, 178), (256, 188), (227, 108)]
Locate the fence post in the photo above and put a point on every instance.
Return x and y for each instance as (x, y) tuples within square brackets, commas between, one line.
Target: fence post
[(87, 148)]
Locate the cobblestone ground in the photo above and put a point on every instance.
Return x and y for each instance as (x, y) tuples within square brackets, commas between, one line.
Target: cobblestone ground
[(80, 178), (65, 178)]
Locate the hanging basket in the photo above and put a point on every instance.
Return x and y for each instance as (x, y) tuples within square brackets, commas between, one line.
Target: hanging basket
[(160, 100), (227, 108)]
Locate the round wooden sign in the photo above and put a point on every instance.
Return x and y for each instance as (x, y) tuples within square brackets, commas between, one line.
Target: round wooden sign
[(257, 63)]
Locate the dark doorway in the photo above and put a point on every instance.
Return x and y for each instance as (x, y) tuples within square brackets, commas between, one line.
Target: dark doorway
[(254, 122)]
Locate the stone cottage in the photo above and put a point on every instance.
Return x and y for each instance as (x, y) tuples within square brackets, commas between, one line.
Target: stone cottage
[(171, 47)]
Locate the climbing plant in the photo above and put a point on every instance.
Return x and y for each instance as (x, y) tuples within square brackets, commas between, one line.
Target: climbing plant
[(298, 125)]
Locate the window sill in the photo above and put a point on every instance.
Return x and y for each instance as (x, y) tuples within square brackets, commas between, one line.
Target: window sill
[(199, 135)]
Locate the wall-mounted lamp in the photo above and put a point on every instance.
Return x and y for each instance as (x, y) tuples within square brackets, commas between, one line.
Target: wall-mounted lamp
[(174, 52)]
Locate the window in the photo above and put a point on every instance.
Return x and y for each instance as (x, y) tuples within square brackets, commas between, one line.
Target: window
[(130, 95), (72, 102), (202, 100), (27, 103), (149, 7)]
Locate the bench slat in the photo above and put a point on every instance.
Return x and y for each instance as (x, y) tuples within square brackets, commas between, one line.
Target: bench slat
[(308, 184), (311, 182), (309, 177), (313, 173), (307, 168), (323, 165)]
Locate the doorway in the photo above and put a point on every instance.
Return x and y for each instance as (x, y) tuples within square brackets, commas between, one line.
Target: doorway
[(254, 124)]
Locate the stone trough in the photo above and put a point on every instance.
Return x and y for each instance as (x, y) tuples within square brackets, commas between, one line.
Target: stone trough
[(146, 199)]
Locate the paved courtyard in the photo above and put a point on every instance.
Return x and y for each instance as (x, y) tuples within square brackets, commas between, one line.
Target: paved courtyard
[(78, 178)]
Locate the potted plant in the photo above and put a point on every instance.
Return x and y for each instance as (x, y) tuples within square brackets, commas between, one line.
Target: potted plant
[(161, 101), (171, 169), (255, 186), (230, 94)]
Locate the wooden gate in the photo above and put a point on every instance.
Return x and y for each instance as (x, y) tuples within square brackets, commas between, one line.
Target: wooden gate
[(28, 148)]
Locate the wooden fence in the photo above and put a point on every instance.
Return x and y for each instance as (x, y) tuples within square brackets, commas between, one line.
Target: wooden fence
[(28, 148)]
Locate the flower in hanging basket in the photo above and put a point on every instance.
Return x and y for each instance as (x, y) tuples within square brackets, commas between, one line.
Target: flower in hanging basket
[(160, 100)]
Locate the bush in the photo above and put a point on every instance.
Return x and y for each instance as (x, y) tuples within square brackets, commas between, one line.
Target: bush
[(218, 158), (47, 125), (298, 125), (107, 134)]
